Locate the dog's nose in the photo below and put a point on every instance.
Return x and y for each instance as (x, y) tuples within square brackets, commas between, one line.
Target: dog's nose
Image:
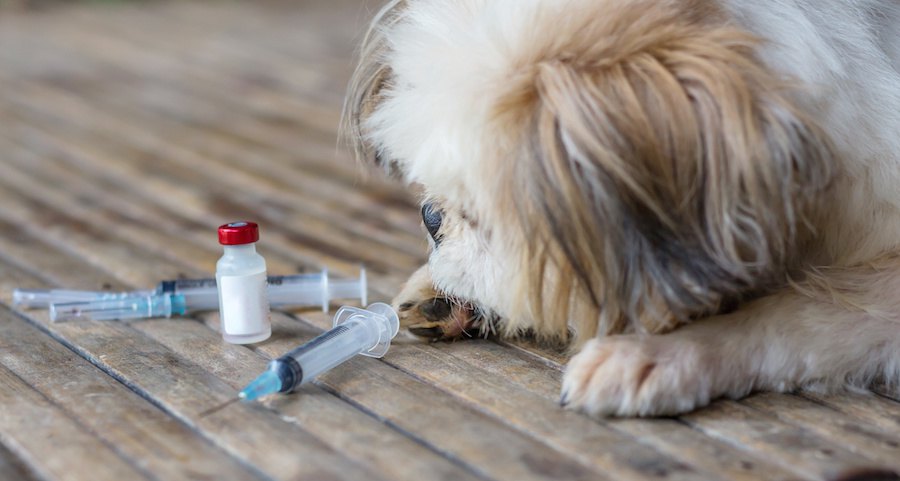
[(432, 218)]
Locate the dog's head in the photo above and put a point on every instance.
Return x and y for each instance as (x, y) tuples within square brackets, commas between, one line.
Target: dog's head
[(606, 164)]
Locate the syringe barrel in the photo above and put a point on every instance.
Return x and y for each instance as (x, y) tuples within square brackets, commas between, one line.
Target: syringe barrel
[(292, 290), (356, 331), (136, 307), (328, 350), (183, 286), (42, 298), (312, 289), (297, 294), (199, 294)]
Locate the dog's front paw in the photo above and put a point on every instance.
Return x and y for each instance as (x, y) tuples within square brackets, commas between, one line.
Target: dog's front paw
[(436, 318), (630, 375), (430, 314)]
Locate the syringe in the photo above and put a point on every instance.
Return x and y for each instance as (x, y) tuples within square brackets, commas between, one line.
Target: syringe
[(177, 297), (356, 331), (132, 307), (42, 298), (307, 289)]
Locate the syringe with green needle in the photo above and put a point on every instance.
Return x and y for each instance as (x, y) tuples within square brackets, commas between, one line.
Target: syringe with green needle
[(356, 331)]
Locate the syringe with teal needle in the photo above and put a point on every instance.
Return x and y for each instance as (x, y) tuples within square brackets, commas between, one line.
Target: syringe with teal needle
[(204, 289), (356, 331), (174, 298)]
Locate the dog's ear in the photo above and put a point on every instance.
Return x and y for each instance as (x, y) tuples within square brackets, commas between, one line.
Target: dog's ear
[(664, 174), (370, 78)]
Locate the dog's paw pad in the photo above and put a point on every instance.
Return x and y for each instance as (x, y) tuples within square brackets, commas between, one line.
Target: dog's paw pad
[(435, 310), (634, 376), (429, 330), (436, 318)]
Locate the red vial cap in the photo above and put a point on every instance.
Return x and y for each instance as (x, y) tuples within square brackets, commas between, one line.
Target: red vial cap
[(237, 233)]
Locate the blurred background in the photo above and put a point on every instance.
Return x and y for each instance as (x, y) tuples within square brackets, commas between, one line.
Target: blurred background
[(129, 130)]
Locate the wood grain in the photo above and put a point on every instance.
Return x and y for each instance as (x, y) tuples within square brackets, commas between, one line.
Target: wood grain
[(13, 468), (183, 389), (336, 422), (489, 446), (792, 446), (872, 441), (130, 131), (535, 387), (50, 442), (137, 429)]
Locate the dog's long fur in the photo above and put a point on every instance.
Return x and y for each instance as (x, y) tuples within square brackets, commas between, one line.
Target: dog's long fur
[(631, 166)]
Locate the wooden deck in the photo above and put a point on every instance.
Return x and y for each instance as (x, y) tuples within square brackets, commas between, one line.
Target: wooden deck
[(129, 132)]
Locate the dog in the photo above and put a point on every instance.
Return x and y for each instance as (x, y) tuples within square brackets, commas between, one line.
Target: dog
[(701, 196)]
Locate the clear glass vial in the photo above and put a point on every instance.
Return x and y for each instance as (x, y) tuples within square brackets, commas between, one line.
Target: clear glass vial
[(241, 282)]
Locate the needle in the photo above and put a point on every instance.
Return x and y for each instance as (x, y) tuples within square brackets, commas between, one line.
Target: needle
[(219, 407)]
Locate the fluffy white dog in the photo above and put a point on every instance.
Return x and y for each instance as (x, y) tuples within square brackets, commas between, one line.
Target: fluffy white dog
[(705, 194)]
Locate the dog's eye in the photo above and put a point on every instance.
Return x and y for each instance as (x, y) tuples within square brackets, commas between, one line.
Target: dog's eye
[(432, 218)]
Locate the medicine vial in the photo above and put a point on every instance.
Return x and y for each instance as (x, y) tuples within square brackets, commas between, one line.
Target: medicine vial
[(242, 286)]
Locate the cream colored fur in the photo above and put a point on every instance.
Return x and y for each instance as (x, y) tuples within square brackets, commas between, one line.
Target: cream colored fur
[(426, 101)]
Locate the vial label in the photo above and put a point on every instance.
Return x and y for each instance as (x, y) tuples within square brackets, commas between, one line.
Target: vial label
[(244, 304)]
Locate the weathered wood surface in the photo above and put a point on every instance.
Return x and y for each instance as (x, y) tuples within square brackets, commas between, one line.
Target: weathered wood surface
[(129, 132)]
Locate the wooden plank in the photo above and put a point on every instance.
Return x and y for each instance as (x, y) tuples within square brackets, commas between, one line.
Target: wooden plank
[(107, 208), (819, 439), (555, 358), (475, 369), (91, 43), (14, 276), (108, 205), (225, 189), (317, 78), (325, 416), (104, 94), (868, 407), (51, 443), (862, 438), (524, 393), (337, 423), (460, 432), (184, 202), (790, 445), (511, 442), (136, 429), (96, 246), (139, 373), (798, 448), (12, 468), (196, 98), (497, 451), (105, 211), (24, 255), (482, 435), (256, 437)]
